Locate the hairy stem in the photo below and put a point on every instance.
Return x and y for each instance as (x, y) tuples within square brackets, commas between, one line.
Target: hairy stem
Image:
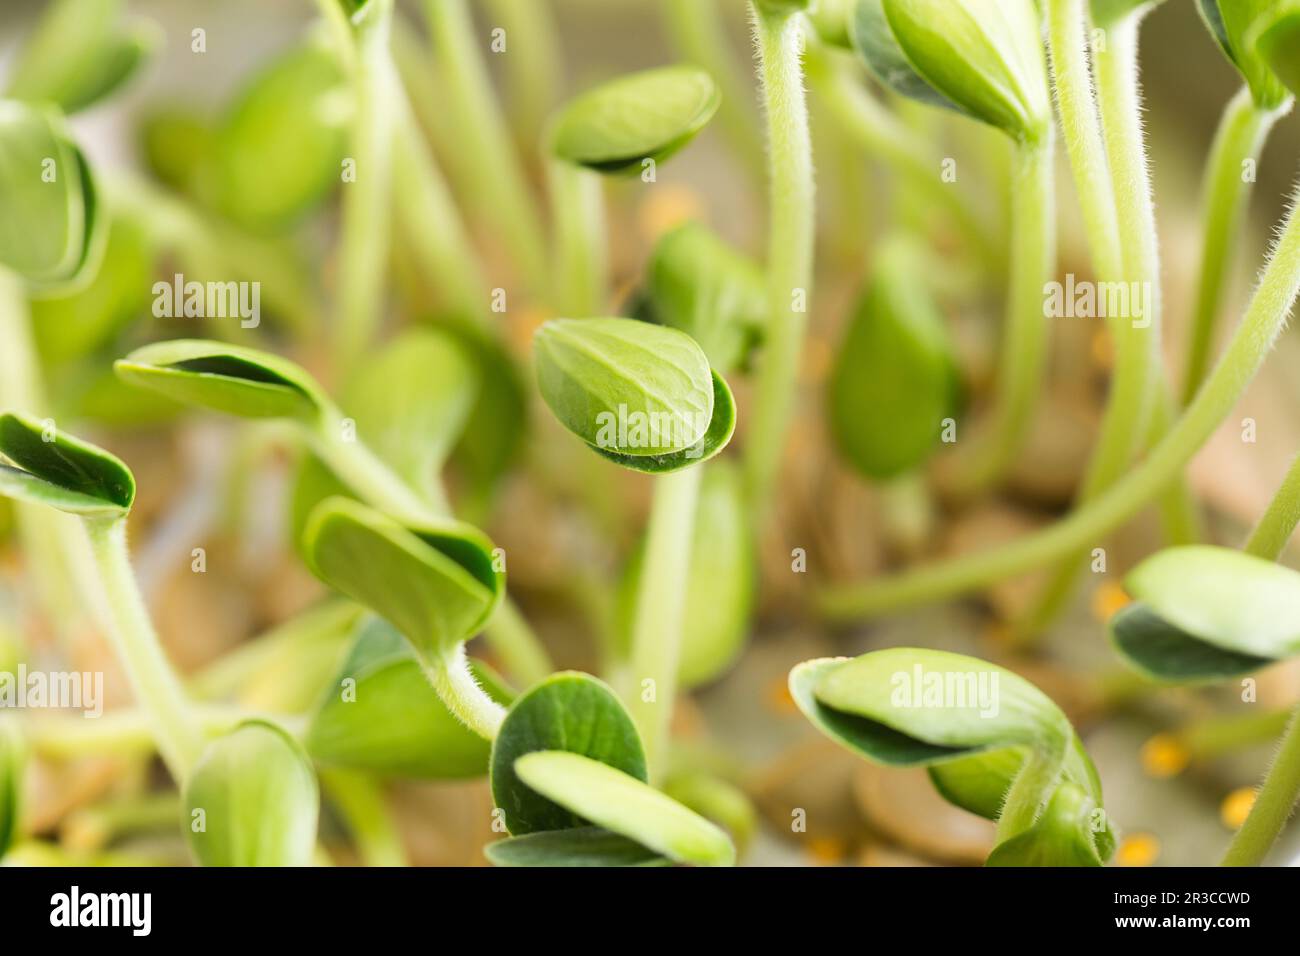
[(660, 606), (534, 67), (1031, 789), (159, 693), (497, 185), (460, 692), (1273, 804), (1240, 137), (790, 248), (1023, 359), (1278, 522), (1250, 345)]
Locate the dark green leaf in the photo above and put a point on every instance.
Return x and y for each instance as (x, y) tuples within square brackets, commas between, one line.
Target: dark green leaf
[(1163, 651), (874, 41), (60, 471), (1233, 23), (1278, 43), (566, 711)]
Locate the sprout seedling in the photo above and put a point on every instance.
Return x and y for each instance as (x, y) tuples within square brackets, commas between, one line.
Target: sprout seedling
[(994, 744), (622, 127), (435, 583), (252, 800), (989, 65), (646, 397)]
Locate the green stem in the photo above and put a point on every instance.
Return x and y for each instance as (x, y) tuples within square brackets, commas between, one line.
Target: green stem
[(456, 687), (363, 254), (878, 132), (497, 183), (359, 799), (1081, 131), (534, 66), (1023, 359), (159, 693), (1250, 345), (790, 248), (660, 607), (1278, 522), (1031, 789), (516, 647), (578, 205), (130, 732), (1273, 804), (1242, 131), (697, 33)]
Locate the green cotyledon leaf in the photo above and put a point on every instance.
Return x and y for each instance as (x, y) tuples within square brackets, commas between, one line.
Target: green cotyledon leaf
[(380, 716), (437, 584), (81, 52), (1234, 25), (227, 378), (579, 846), (1068, 832), (626, 387), (279, 145), (626, 805), (650, 115), (895, 378), (984, 55), (48, 467), (1275, 37), (566, 711), (50, 234), (252, 800)]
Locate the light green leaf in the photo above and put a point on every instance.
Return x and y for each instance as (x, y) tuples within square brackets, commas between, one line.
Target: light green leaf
[(650, 115), (986, 57), (50, 231), (721, 427), (1276, 39), (623, 386), (225, 378), (280, 143), (832, 20), (874, 41), (436, 584), (699, 284), (177, 148), (580, 846), (718, 800), (625, 805), (1233, 24), (566, 711), (895, 376), (1233, 601), (73, 324), (411, 400), (386, 720), (57, 470), (81, 52), (252, 800), (941, 699), (1161, 650)]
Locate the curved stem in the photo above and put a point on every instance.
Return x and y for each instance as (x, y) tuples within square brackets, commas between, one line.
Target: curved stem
[(790, 247), (1023, 359), (578, 203), (1240, 137), (159, 693), (1030, 790), (1250, 345), (460, 692), (660, 606), (497, 180), (1273, 804), (534, 67)]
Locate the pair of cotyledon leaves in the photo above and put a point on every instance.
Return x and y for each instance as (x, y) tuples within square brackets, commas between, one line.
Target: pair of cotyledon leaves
[(973, 737), (1205, 613)]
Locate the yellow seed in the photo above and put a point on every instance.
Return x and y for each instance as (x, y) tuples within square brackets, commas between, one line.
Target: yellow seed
[(1236, 807), (825, 850), (1108, 600), (668, 205), (1138, 849), (1164, 756), (779, 700)]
